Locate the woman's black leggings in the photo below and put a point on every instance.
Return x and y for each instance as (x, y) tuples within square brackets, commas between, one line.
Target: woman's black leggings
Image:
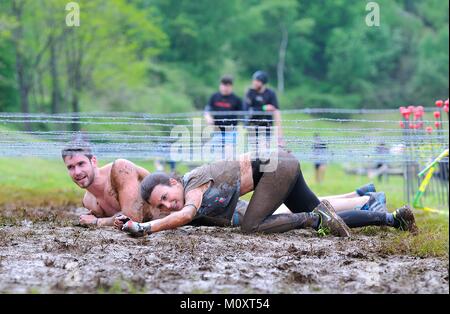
[(286, 185)]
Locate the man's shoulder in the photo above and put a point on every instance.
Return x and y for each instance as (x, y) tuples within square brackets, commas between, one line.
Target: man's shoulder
[(121, 168), (122, 163)]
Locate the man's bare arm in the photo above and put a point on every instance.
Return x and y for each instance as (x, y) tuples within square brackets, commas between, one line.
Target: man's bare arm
[(95, 212), (125, 179), (96, 215)]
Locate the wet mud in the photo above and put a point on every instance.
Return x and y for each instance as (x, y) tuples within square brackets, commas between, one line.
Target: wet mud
[(47, 253)]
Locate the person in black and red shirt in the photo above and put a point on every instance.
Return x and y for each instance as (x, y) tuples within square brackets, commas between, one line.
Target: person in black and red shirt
[(260, 98), (223, 100)]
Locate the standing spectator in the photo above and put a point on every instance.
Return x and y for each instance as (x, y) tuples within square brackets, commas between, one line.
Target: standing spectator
[(381, 167), (319, 149), (224, 101), (261, 99)]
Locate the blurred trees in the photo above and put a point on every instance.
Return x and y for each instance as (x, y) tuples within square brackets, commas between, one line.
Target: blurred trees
[(57, 65), (167, 55)]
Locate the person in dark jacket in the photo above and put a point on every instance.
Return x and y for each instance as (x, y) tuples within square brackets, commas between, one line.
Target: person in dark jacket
[(263, 107)]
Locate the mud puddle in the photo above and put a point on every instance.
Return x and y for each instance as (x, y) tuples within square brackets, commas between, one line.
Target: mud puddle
[(53, 256)]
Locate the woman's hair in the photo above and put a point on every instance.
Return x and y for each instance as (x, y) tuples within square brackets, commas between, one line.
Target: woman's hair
[(154, 179)]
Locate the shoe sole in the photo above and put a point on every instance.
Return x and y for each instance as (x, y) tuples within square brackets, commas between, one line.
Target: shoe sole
[(411, 220)]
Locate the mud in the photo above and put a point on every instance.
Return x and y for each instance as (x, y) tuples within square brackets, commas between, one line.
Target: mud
[(52, 255)]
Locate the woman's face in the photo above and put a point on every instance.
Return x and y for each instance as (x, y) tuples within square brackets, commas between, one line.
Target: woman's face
[(168, 197)]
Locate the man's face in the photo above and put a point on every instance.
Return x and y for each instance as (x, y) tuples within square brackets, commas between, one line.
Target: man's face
[(81, 169), (226, 89), (168, 197), (257, 85)]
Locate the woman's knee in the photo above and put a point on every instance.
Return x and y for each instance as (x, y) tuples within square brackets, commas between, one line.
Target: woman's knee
[(289, 161)]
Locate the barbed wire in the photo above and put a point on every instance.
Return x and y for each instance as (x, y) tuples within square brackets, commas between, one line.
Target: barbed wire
[(200, 113), (343, 142)]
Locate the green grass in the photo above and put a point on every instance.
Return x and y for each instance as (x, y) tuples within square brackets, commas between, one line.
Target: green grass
[(42, 182), (432, 240), (36, 182)]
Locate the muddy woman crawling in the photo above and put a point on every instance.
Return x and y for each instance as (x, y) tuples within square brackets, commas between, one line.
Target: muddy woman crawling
[(209, 195)]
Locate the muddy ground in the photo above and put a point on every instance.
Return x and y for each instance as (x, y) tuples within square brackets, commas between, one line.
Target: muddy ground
[(45, 253)]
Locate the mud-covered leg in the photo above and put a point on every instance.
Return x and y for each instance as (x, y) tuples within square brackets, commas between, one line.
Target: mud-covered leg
[(270, 192), (402, 218), (285, 222), (362, 218)]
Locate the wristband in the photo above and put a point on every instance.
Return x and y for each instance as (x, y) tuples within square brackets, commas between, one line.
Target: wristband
[(96, 221)]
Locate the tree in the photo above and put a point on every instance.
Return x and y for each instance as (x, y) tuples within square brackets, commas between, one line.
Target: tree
[(8, 91)]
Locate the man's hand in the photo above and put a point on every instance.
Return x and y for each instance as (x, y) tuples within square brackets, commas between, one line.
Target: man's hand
[(270, 107), (209, 119), (120, 220), (88, 219)]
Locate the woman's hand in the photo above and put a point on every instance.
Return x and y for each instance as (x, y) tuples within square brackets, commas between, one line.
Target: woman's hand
[(136, 229), (120, 220)]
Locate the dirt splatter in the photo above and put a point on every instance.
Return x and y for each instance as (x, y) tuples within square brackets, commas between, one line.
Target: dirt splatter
[(52, 255)]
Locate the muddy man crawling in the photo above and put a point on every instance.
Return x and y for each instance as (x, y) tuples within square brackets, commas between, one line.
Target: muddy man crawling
[(111, 190)]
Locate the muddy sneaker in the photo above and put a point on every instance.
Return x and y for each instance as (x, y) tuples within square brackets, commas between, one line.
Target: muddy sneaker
[(330, 222), (405, 217), (376, 203), (364, 190)]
